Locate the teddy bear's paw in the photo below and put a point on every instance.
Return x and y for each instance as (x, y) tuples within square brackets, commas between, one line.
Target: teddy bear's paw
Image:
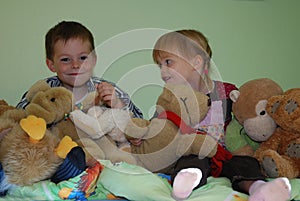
[(293, 150), (270, 167)]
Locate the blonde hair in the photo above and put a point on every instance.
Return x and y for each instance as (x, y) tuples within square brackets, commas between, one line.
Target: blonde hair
[(188, 42)]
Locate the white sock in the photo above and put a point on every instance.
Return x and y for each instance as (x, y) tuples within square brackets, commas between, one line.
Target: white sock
[(185, 181), (277, 190)]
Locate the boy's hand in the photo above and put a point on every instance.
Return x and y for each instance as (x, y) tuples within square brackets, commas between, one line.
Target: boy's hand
[(108, 96)]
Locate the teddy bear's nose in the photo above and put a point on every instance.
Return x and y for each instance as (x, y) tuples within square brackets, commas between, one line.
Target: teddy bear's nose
[(52, 99)]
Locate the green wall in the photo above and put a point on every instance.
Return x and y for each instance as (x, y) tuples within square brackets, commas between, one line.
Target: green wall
[(249, 38)]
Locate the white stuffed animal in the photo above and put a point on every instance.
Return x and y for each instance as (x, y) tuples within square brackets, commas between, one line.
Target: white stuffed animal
[(100, 121)]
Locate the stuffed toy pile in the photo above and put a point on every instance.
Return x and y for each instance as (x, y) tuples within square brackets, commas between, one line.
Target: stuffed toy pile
[(163, 142), (29, 152), (251, 123), (280, 154)]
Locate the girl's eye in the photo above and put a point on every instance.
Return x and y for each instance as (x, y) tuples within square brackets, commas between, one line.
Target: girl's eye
[(65, 60), (168, 62), (82, 58)]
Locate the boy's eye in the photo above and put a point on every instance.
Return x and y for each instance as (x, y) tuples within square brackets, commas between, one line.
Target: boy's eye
[(65, 60), (82, 58)]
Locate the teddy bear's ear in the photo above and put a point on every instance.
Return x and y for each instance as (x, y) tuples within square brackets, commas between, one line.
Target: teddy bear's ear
[(40, 85), (234, 95)]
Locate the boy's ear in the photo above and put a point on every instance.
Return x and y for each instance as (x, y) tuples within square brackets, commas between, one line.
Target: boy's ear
[(50, 65), (94, 61)]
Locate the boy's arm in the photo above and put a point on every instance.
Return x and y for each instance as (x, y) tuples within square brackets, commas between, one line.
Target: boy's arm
[(23, 102), (123, 96)]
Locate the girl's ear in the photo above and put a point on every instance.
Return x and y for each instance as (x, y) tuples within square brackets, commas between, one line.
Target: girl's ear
[(50, 65), (198, 63)]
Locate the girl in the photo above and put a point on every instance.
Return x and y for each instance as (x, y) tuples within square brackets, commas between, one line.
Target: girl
[(184, 57)]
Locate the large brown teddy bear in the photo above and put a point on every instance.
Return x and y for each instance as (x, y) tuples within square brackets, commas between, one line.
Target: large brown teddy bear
[(280, 154), (251, 123), (162, 142), (29, 152)]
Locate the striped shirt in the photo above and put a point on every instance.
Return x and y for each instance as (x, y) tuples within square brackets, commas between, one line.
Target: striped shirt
[(55, 82)]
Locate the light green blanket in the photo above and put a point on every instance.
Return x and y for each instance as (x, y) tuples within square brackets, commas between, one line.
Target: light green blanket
[(135, 183)]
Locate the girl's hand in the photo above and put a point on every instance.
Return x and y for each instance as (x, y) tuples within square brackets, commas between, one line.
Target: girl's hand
[(108, 96)]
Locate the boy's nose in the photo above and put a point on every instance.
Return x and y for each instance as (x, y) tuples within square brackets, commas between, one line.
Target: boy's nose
[(75, 64)]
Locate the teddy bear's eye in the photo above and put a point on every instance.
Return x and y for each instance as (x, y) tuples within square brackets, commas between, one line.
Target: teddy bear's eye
[(52, 99), (262, 113)]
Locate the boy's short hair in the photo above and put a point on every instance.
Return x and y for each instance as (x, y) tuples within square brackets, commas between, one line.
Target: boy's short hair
[(66, 30), (189, 42)]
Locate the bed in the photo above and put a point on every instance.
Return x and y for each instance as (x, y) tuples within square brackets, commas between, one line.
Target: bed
[(124, 181)]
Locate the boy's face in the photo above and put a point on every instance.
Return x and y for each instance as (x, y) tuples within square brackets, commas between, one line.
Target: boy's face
[(72, 62), (175, 69)]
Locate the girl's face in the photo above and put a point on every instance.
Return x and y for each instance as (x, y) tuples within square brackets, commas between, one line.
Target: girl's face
[(72, 62), (177, 70)]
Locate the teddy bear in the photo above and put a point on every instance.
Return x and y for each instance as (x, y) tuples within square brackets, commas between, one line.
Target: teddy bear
[(54, 105), (106, 127), (280, 154), (100, 121), (29, 152), (251, 124), (170, 135)]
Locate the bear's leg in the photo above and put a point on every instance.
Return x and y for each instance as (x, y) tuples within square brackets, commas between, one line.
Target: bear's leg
[(276, 165)]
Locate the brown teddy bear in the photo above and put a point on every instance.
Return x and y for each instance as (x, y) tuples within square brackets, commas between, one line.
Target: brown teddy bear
[(29, 152), (280, 154), (162, 141), (54, 105), (251, 123)]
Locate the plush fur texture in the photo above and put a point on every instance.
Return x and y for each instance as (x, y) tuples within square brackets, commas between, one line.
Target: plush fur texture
[(4, 106), (249, 109), (162, 142), (280, 154), (25, 163)]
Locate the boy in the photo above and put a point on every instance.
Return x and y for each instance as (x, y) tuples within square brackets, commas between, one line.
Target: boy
[(70, 54)]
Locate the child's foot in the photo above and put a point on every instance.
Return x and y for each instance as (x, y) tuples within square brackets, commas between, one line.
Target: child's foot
[(277, 190), (184, 183)]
